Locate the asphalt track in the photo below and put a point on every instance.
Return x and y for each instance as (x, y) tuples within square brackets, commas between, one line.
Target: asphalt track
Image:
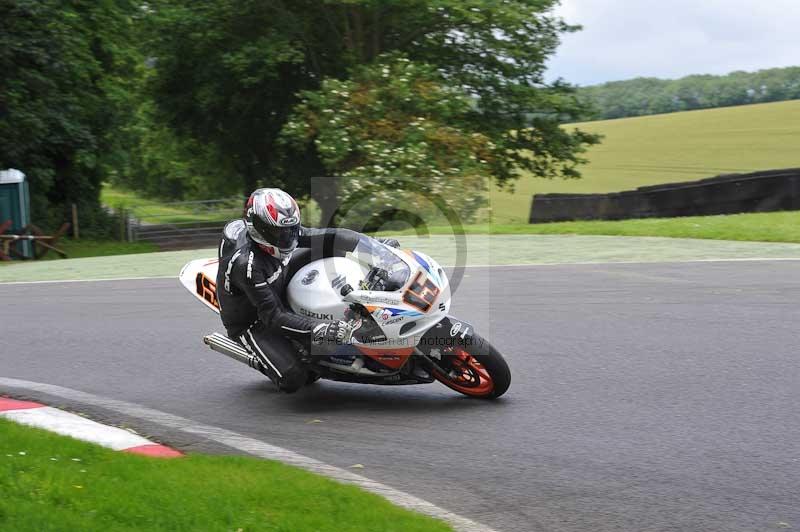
[(645, 396)]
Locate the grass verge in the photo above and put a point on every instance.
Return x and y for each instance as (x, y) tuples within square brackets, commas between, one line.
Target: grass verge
[(479, 249), (50, 482), (76, 249), (756, 227)]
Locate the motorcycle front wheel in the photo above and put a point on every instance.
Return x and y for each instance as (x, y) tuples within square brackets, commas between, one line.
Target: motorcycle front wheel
[(476, 369)]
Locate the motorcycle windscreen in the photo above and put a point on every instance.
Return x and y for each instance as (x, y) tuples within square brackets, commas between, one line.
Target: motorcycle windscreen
[(374, 254)]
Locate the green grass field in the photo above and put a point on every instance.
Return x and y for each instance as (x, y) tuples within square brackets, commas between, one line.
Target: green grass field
[(672, 147), (156, 212), (50, 482)]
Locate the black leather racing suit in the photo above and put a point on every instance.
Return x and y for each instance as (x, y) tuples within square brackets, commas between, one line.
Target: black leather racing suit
[(251, 289)]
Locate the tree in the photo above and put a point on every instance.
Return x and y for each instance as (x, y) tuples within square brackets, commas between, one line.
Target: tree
[(230, 73), (395, 120), (644, 96), (67, 68), (163, 165)]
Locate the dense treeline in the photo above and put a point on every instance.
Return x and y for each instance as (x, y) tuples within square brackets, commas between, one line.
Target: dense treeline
[(185, 99), (287, 91), (67, 74), (647, 96)]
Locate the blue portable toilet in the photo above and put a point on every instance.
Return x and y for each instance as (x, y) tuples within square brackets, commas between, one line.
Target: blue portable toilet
[(15, 205)]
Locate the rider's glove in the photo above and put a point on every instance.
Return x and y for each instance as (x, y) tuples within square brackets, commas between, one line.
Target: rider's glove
[(335, 332), (393, 242)]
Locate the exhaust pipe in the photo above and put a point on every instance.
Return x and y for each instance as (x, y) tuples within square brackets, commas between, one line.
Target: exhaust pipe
[(222, 344)]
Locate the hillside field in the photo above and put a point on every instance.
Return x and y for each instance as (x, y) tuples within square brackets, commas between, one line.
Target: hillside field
[(673, 147)]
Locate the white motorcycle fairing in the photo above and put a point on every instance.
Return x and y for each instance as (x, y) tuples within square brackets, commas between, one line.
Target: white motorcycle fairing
[(419, 300), (200, 278)]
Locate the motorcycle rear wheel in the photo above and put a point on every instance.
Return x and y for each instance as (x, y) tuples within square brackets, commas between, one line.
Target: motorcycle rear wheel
[(476, 370)]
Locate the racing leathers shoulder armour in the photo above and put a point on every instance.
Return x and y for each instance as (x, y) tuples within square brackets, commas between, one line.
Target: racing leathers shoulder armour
[(251, 285)]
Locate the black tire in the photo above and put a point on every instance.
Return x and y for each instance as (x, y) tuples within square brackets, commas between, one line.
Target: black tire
[(494, 363)]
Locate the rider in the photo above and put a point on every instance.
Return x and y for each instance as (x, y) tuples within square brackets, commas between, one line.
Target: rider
[(254, 267)]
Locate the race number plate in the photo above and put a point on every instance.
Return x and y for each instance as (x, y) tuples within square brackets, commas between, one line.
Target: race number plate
[(207, 290), (421, 293)]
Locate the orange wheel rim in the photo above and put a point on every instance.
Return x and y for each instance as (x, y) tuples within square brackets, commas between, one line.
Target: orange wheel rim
[(472, 378)]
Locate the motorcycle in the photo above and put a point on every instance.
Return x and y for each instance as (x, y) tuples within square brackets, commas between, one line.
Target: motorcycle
[(401, 298)]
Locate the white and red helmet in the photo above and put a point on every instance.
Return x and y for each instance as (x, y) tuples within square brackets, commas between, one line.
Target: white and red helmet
[(272, 218)]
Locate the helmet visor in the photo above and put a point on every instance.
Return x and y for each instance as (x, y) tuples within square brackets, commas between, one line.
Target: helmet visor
[(283, 238)]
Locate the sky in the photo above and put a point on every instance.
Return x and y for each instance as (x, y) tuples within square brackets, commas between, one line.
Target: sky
[(623, 39)]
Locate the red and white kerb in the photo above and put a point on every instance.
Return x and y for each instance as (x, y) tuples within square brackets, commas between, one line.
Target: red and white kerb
[(67, 424)]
